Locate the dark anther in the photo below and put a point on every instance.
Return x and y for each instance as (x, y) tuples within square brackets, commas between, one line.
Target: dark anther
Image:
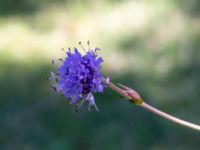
[(82, 47), (52, 62), (97, 49), (54, 88), (88, 43), (61, 59), (56, 79)]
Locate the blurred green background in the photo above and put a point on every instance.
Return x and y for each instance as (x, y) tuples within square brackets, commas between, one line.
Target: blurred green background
[(152, 46)]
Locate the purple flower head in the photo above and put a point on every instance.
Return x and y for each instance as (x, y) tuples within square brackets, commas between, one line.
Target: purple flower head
[(79, 77)]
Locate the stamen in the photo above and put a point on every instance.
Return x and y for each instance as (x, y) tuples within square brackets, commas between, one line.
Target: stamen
[(97, 109), (88, 43), (82, 47), (52, 75), (69, 49), (50, 78), (78, 106), (107, 80), (52, 62), (97, 49), (53, 87), (91, 102)]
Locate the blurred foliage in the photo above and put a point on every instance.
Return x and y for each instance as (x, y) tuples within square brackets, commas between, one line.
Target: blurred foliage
[(21, 7), (152, 46)]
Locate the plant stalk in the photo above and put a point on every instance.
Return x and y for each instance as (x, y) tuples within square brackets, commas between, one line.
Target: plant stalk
[(170, 117), (132, 96)]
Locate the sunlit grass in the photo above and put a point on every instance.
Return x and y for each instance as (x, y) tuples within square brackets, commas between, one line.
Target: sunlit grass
[(43, 34)]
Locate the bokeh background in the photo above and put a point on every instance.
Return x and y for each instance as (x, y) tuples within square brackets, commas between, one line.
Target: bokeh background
[(151, 46)]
